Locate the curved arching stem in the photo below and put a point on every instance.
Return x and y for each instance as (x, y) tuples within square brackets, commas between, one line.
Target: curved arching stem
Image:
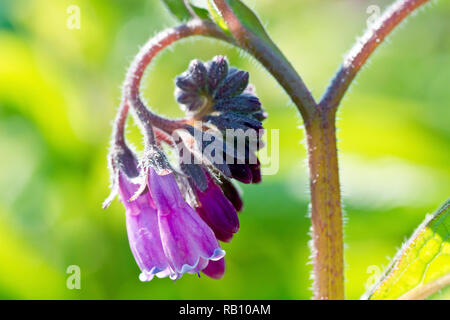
[(364, 47), (131, 95), (272, 59), (279, 68), (119, 127), (118, 136)]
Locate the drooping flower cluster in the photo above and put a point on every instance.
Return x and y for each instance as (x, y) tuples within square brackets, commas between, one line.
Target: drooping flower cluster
[(223, 100), (175, 217)]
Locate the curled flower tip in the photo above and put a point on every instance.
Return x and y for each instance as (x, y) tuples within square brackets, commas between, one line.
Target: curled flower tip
[(191, 91), (222, 100), (215, 87)]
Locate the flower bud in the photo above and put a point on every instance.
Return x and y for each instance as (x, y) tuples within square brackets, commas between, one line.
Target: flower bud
[(223, 100)]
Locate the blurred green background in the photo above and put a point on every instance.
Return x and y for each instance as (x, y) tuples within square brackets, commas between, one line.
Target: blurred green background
[(60, 88)]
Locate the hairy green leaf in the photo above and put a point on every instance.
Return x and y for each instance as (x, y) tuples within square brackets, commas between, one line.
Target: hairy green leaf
[(247, 18), (250, 20), (424, 260), (178, 9), (216, 16)]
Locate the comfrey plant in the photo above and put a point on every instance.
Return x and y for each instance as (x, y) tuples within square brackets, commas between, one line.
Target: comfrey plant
[(175, 217), (177, 211)]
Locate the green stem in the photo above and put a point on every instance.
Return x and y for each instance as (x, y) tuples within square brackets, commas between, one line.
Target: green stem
[(326, 214), (272, 59)]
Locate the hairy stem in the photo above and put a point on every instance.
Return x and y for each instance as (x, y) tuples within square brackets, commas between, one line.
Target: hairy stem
[(364, 47), (136, 71), (146, 55), (118, 137), (326, 214)]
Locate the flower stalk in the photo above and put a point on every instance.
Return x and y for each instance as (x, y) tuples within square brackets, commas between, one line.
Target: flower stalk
[(131, 93), (326, 213)]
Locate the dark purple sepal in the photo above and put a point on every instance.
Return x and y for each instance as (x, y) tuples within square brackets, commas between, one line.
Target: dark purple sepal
[(233, 85), (244, 103), (241, 172), (203, 140), (196, 173), (217, 71), (184, 97), (232, 193), (198, 73), (186, 83), (190, 100), (234, 120)]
